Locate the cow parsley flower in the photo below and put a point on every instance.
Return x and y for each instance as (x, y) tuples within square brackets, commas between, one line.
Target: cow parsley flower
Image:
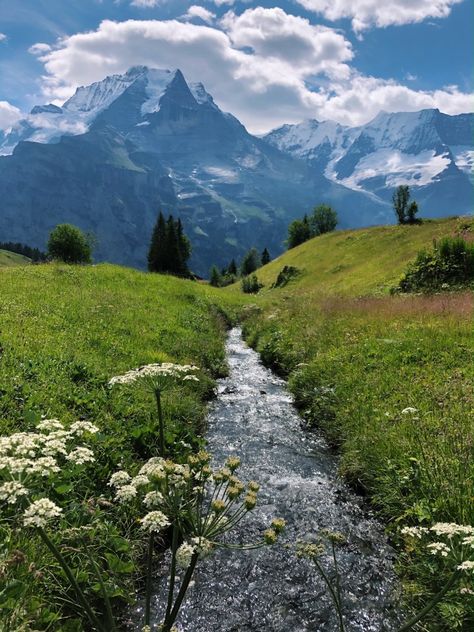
[(126, 492), (44, 466), (81, 427), (184, 555), (451, 529), (49, 425), (40, 513), (139, 480), (81, 455), (414, 532), (438, 548), (11, 491), (119, 478), (466, 566), (153, 499), (155, 521), (202, 546), (409, 410)]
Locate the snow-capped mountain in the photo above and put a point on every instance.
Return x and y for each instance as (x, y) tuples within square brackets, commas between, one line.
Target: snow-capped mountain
[(423, 149), (123, 148)]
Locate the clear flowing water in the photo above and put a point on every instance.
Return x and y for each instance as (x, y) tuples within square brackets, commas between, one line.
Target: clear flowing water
[(270, 589)]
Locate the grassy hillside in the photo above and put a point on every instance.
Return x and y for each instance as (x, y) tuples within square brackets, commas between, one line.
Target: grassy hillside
[(64, 332), (9, 259), (359, 262), (357, 359)]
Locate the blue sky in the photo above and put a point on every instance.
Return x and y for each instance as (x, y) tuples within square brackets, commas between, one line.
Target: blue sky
[(268, 62)]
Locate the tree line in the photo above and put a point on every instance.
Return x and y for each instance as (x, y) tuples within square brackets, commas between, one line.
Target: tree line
[(323, 219), (227, 275), (169, 249), (34, 254)]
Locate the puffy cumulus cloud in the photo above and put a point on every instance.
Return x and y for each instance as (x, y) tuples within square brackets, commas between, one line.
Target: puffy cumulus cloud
[(199, 12), (359, 101), (9, 115), (294, 41), (368, 13), (264, 66)]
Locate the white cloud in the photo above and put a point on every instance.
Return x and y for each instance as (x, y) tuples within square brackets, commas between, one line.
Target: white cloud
[(220, 3), (368, 13), (39, 49), (199, 12), (145, 4), (264, 66), (3, 37), (9, 115)]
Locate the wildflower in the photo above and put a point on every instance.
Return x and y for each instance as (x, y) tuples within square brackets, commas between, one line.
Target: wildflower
[(44, 466), (153, 499), (438, 548), (11, 491), (310, 551), (333, 536), (226, 473), (81, 427), (125, 492), (40, 513), (468, 541), (52, 447), (184, 555), (50, 424), (165, 370), (409, 410), (270, 536), (81, 455), (234, 492), (233, 463), (155, 521), (190, 378), (278, 524), (119, 478), (466, 591), (139, 480), (466, 566), (450, 529), (218, 506), (414, 532), (250, 501), (253, 486), (202, 546)]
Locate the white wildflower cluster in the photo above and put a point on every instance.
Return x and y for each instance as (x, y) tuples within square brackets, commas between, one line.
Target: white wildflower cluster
[(155, 521), (458, 544), (27, 457), (158, 373), (40, 512), (184, 554)]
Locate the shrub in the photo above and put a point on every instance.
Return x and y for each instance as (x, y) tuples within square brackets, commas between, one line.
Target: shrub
[(69, 244), (251, 285), (449, 263), (285, 275)]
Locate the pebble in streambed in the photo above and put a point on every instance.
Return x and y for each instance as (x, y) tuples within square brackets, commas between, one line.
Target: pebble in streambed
[(270, 589)]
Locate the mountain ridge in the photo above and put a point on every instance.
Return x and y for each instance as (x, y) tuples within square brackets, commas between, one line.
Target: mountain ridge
[(123, 148)]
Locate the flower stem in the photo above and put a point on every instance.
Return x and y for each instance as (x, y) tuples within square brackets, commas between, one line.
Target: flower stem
[(431, 604), (151, 541), (171, 618), (174, 546), (160, 422), (108, 606), (72, 580)]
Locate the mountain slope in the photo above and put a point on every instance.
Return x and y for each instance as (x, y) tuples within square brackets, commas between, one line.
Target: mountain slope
[(9, 259), (430, 151)]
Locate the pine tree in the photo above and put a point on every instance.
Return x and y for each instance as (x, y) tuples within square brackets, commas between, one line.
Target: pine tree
[(411, 213), (265, 257), (250, 262), (156, 253), (215, 277), (232, 268)]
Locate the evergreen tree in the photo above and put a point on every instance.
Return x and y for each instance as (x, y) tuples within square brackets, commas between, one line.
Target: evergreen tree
[(215, 277), (265, 257), (232, 268), (169, 247), (400, 199), (156, 253), (250, 262)]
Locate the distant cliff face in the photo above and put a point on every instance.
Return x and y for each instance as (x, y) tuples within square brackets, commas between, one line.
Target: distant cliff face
[(123, 148)]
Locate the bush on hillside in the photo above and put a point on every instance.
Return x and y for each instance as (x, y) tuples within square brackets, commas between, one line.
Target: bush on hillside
[(286, 274), (69, 244), (251, 285), (449, 263)]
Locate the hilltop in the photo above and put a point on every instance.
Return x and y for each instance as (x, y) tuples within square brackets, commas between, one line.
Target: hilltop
[(9, 259)]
